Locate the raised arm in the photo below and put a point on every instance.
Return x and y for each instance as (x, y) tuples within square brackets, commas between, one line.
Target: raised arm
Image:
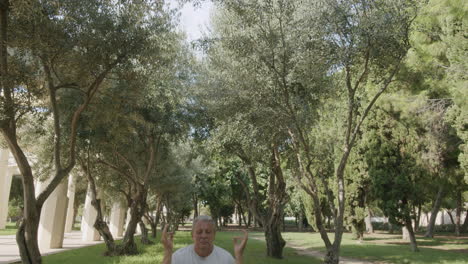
[(167, 239), (239, 246)]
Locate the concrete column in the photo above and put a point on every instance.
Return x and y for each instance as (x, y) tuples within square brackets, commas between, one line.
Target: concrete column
[(5, 185), (117, 219), (405, 232), (87, 222), (440, 218), (71, 202), (53, 214)]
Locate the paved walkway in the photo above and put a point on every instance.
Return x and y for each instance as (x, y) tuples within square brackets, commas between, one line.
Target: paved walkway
[(9, 252)]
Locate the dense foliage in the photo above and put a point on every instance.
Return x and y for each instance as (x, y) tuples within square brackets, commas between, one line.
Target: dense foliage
[(328, 111)]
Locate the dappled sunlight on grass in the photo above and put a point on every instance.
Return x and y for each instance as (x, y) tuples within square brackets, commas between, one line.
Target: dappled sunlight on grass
[(394, 250), (372, 248), (255, 253)]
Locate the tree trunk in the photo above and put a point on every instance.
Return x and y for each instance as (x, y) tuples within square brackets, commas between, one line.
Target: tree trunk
[(390, 228), (238, 216), (100, 224), (157, 219), (300, 220), (358, 227), (458, 213), (275, 242), (417, 218), (276, 200), (240, 213), (333, 255), (464, 227), (195, 206), (435, 210), (128, 246), (144, 234), (451, 217), (154, 229), (412, 237), (26, 238), (103, 229), (368, 222), (243, 218)]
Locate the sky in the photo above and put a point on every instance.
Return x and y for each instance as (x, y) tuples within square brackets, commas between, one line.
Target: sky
[(194, 20)]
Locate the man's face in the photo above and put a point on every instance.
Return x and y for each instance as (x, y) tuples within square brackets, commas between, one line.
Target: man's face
[(203, 235)]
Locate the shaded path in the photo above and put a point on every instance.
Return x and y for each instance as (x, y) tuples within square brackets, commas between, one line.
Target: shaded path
[(9, 252), (304, 251), (301, 250)]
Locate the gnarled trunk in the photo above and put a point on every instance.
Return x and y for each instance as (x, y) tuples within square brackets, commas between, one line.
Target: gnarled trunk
[(276, 199), (99, 224), (435, 210), (412, 237), (144, 234), (333, 255), (274, 240), (26, 237), (103, 229), (128, 246), (358, 227), (27, 234)]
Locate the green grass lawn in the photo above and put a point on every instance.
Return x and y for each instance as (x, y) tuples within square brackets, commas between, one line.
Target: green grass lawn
[(372, 248), (254, 253), (394, 252), (9, 230)]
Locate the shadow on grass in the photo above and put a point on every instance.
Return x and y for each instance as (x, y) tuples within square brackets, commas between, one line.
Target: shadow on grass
[(381, 238), (453, 240), (432, 242), (403, 254), (96, 254), (255, 252)]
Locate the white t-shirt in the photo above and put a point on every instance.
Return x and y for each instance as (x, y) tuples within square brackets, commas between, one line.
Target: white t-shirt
[(187, 255)]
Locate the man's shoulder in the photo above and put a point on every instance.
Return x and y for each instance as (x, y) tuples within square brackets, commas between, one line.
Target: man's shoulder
[(222, 252), (184, 250)]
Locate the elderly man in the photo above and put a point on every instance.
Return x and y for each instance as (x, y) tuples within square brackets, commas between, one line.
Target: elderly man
[(202, 251)]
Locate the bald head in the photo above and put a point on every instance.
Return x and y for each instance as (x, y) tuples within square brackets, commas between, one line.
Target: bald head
[(203, 235), (203, 218)]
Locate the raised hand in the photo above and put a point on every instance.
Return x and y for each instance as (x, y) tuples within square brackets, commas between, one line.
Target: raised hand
[(167, 239), (239, 245)]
